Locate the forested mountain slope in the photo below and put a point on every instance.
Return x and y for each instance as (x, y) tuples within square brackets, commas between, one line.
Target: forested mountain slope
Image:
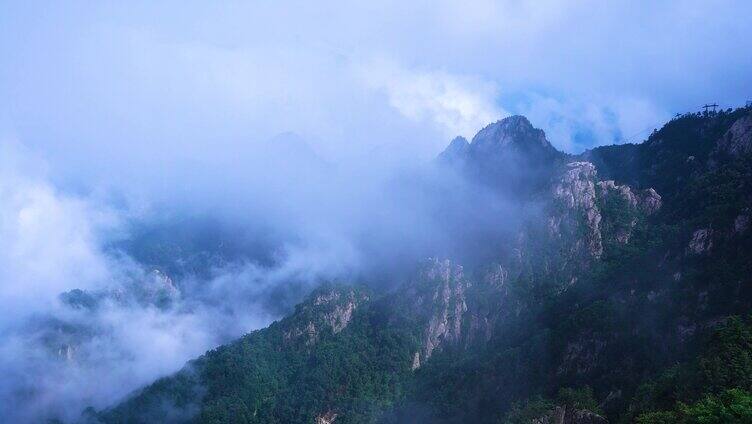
[(623, 297)]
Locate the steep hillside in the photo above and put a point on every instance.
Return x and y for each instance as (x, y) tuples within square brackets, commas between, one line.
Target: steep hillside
[(617, 301)]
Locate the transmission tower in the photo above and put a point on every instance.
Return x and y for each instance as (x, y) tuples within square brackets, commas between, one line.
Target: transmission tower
[(708, 106)]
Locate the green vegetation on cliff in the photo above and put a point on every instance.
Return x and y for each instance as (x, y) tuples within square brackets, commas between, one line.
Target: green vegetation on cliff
[(633, 316)]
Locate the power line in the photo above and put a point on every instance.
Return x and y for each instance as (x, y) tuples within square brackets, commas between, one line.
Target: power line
[(631, 137)]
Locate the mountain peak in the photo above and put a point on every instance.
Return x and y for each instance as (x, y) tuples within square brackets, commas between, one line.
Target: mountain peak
[(512, 135), (458, 142), (510, 154), (457, 149), (515, 129)]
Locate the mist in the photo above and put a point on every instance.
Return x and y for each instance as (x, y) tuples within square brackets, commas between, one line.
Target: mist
[(173, 176), (104, 293)]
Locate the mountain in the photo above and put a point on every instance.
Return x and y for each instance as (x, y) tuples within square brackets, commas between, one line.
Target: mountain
[(622, 298), (514, 134), (510, 155)]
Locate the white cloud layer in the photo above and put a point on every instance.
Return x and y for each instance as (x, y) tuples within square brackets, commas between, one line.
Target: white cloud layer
[(455, 104), (60, 354), (48, 239)]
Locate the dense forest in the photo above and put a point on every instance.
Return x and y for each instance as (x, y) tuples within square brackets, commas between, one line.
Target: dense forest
[(624, 297)]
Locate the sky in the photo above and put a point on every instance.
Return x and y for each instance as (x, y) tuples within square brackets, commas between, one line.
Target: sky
[(149, 83), (300, 127)]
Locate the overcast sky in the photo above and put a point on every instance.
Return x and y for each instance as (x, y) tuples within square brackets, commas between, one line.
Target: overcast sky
[(99, 84)]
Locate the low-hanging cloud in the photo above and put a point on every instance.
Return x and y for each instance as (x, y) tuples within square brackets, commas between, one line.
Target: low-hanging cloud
[(300, 147), (456, 104), (84, 323), (96, 315)]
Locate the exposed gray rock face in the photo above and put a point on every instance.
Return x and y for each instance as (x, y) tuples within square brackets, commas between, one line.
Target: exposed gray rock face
[(159, 288), (610, 186), (497, 277), (650, 201), (416, 361), (307, 333), (341, 316), (701, 242), (326, 418), (331, 308), (445, 324), (647, 201), (738, 139), (576, 192), (564, 415), (440, 292), (341, 313)]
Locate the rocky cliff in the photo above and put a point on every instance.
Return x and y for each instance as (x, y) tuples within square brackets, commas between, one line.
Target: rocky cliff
[(630, 258)]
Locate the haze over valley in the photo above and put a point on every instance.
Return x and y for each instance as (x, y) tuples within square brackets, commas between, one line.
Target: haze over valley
[(422, 212)]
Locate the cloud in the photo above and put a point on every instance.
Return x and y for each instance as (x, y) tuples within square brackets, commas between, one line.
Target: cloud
[(144, 114), (176, 91), (101, 299), (84, 323), (457, 105), (574, 126), (49, 239)]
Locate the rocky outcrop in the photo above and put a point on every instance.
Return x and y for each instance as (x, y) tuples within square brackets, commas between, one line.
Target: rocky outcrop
[(326, 418), (646, 201), (444, 300), (509, 155), (575, 191), (624, 191), (497, 277), (580, 199), (341, 313), (329, 308), (513, 130), (416, 361), (633, 203), (737, 140), (650, 201), (445, 323), (440, 298), (308, 333), (158, 289), (701, 242)]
